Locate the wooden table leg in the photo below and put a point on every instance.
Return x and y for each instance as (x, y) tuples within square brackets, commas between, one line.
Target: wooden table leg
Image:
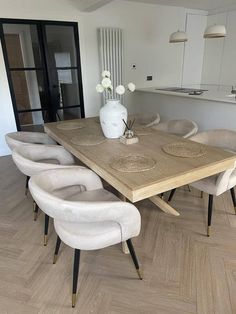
[(125, 248), (163, 205)]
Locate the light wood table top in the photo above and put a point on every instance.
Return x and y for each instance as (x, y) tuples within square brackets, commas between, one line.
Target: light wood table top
[(169, 172)]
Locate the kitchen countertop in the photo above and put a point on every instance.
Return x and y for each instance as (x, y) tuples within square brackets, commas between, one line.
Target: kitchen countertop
[(219, 96)]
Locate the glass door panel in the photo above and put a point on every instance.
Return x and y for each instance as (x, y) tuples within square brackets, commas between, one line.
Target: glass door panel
[(64, 71), (61, 46), (69, 114), (66, 88), (29, 89), (22, 46), (43, 67)]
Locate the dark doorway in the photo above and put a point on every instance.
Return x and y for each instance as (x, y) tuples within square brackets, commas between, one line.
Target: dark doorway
[(42, 60)]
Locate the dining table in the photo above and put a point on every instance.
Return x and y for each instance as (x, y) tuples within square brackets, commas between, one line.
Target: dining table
[(157, 163)]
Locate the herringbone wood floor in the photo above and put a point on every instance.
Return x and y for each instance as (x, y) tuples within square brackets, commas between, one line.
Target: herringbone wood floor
[(184, 271)]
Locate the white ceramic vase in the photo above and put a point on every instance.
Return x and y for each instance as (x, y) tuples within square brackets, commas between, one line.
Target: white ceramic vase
[(111, 118)]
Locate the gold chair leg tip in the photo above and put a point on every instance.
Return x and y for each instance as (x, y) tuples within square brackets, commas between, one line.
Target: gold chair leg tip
[(139, 274), (208, 230), (45, 240), (73, 299), (55, 259)]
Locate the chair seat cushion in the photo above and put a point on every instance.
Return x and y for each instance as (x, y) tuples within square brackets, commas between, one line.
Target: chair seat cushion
[(88, 236), (92, 235)]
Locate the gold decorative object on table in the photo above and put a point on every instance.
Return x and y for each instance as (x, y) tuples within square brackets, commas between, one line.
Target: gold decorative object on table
[(185, 149), (129, 141), (129, 137), (133, 163)]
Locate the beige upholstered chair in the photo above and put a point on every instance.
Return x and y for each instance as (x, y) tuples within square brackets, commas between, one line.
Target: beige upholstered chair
[(16, 139), (86, 217), (145, 119), (219, 183), (34, 158), (183, 127)]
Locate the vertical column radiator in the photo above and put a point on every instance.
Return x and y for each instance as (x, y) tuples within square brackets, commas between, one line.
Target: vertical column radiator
[(110, 42)]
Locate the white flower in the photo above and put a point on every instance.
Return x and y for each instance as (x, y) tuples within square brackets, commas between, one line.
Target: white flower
[(106, 82), (99, 88), (131, 87), (120, 90), (106, 74)]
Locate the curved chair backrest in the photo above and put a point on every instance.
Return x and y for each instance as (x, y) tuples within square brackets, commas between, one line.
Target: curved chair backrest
[(44, 188), (34, 158), (183, 127), (222, 138), (225, 139), (16, 139), (146, 119)]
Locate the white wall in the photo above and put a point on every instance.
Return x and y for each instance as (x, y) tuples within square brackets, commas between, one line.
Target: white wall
[(146, 43), (194, 50), (213, 54), (228, 68), (146, 34), (219, 67)]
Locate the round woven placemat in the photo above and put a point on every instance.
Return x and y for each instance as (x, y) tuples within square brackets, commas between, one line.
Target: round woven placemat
[(88, 139), (69, 126), (186, 150), (133, 163)]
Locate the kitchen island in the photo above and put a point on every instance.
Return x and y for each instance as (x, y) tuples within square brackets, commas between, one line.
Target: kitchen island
[(211, 109)]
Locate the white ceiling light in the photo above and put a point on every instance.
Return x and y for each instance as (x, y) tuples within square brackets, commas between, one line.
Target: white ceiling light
[(178, 37), (215, 31)]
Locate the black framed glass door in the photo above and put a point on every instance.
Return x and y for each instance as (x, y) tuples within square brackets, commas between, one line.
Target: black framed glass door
[(44, 72)]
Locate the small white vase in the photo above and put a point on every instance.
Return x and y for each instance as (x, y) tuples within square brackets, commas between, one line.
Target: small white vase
[(111, 118)]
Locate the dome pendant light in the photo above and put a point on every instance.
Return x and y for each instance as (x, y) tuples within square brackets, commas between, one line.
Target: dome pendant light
[(215, 31), (178, 37)]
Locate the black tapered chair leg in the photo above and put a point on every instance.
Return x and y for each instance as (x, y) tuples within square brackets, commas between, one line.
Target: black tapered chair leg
[(46, 222), (171, 195), (210, 205), (27, 185), (233, 198), (134, 258), (56, 249), (36, 210), (75, 275)]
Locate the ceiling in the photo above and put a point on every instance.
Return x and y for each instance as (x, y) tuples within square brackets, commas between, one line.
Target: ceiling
[(193, 4), (209, 5)]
